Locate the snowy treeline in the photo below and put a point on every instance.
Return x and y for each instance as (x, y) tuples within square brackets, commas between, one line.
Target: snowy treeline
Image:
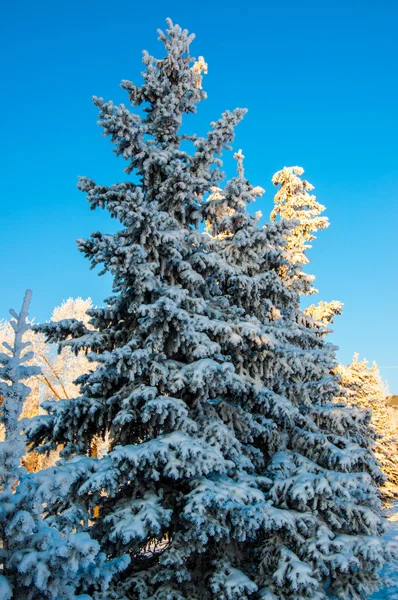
[(234, 469)]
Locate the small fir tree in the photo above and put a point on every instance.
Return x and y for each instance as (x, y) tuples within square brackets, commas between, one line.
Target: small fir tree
[(37, 562), (57, 371), (293, 201)]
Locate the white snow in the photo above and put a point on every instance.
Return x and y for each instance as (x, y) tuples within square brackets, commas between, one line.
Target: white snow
[(390, 573)]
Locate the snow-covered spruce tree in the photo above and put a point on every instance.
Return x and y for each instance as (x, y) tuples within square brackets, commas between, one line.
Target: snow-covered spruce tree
[(160, 365), (57, 371), (37, 562), (363, 386), (314, 452), (229, 473)]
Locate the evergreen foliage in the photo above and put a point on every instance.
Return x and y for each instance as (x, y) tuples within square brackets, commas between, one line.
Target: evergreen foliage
[(56, 371), (231, 472), (293, 201), (364, 386), (37, 561)]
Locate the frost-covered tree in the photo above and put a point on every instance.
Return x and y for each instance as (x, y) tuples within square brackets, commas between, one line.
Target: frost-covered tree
[(57, 370), (230, 474), (37, 562), (293, 201), (298, 366), (363, 385)]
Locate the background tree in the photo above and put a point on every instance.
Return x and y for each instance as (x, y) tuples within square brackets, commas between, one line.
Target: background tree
[(363, 385), (57, 371), (294, 201), (61, 369)]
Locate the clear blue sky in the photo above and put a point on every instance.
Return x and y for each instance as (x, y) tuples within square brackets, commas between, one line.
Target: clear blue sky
[(319, 80)]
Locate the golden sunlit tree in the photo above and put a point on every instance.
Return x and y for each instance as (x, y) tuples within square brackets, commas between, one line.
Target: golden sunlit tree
[(364, 386), (293, 200)]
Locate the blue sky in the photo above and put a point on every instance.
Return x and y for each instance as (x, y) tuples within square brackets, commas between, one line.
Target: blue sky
[(320, 82)]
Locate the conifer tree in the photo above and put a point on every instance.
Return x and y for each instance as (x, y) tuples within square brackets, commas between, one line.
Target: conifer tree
[(293, 201), (230, 475), (363, 386), (37, 562), (57, 371)]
